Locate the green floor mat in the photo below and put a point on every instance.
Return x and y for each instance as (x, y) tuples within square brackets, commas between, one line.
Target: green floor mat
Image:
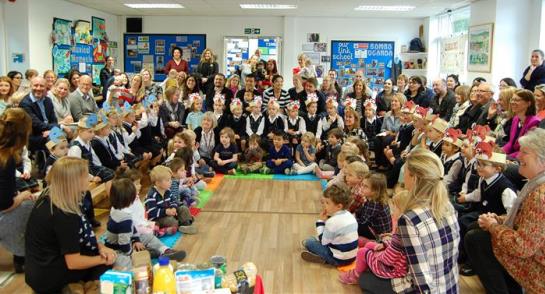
[(250, 176), (204, 196)]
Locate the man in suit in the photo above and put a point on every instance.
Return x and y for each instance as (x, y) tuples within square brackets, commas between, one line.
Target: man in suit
[(219, 88), (82, 101), (41, 110), (443, 102), (484, 98)]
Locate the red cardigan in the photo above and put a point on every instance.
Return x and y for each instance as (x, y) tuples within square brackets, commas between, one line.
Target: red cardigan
[(171, 64)]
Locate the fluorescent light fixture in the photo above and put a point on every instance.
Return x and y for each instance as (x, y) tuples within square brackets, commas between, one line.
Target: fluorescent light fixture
[(268, 6), (154, 5), (385, 8)]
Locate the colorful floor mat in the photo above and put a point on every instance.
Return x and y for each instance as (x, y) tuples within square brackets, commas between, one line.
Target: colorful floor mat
[(307, 177), (250, 176)]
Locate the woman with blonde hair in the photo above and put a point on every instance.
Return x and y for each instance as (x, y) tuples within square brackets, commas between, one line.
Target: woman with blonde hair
[(207, 68), (505, 117), (150, 87), (15, 128), (137, 89), (462, 103), (6, 91), (50, 78), (60, 244), (429, 231)]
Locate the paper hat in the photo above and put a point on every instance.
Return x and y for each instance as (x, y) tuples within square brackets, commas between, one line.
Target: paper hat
[(127, 109), (88, 122), (332, 100), (273, 102), (293, 105), (453, 136), (409, 107), (148, 101), (219, 98), (103, 122), (235, 103), (56, 136), (311, 98), (257, 102), (370, 103), (350, 103), (439, 125), (484, 152), (108, 109), (423, 113), (481, 131)]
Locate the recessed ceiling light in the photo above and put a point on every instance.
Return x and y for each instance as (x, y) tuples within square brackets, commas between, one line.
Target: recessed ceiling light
[(154, 5), (385, 8), (268, 6)]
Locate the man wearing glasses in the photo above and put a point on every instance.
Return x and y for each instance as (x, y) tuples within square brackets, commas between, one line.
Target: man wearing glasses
[(488, 105)]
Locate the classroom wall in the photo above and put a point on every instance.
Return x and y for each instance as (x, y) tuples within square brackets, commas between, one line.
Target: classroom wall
[(16, 24)]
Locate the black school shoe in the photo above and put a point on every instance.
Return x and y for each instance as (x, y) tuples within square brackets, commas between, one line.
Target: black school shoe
[(311, 257), (175, 255), (467, 270)]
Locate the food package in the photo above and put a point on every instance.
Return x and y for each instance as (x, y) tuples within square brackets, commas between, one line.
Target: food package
[(243, 278), (116, 282)]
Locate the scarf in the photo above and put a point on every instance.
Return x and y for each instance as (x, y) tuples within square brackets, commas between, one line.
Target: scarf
[(526, 190), (173, 110)]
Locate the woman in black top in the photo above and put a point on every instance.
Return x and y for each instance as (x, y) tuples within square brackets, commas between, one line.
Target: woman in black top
[(469, 117), (61, 247), (207, 68), (417, 92), (172, 112), (105, 74), (15, 127), (535, 73)]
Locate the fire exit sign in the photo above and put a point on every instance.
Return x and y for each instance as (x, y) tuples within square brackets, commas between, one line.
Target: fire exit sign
[(252, 31)]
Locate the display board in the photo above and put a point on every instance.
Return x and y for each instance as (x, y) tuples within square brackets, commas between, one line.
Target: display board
[(239, 49), (153, 51), (375, 58)]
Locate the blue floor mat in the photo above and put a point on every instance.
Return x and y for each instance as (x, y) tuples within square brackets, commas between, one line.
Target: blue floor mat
[(324, 184), (307, 177), (169, 241)]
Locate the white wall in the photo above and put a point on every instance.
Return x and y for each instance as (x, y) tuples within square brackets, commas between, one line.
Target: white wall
[(17, 33), (482, 12), (3, 41)]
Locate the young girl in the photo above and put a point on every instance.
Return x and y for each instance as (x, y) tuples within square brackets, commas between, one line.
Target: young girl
[(386, 259), (305, 155), (331, 121), (295, 124), (374, 215), (237, 122), (354, 174), (248, 98), (202, 170), (452, 161), (273, 121), (219, 108), (225, 154), (253, 156), (255, 122), (343, 159), (310, 117), (194, 118)]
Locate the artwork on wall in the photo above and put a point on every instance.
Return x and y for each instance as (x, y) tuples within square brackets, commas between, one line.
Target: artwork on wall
[(96, 72), (82, 32), (99, 28), (61, 59), (100, 49), (453, 54), (480, 48), (62, 31)]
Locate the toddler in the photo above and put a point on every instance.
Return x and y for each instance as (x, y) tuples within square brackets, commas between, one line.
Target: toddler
[(305, 155), (252, 156)]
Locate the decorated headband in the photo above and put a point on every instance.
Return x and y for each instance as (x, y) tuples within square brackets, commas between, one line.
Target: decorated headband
[(332, 100), (453, 136), (481, 131), (193, 97), (257, 102), (219, 98), (273, 102), (350, 103), (423, 113), (311, 98), (293, 105), (370, 103), (409, 107), (235, 103), (88, 122)]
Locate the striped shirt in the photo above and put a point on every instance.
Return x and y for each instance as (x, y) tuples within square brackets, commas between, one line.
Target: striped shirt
[(432, 252), (120, 232), (283, 100), (157, 204), (390, 262), (340, 234)]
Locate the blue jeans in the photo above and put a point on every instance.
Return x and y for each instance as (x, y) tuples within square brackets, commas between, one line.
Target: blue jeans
[(314, 246)]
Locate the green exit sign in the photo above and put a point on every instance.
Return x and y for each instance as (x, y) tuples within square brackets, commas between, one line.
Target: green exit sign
[(252, 31)]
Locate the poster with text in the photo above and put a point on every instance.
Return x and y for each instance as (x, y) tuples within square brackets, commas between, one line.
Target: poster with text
[(61, 59), (62, 31), (453, 54), (99, 28), (82, 58), (374, 58)]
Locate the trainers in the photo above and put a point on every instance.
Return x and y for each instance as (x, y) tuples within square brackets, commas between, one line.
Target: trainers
[(350, 277), (287, 171), (266, 170), (175, 255), (190, 230), (293, 172), (311, 257)]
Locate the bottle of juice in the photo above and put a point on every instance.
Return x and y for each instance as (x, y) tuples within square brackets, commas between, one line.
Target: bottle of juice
[(163, 278)]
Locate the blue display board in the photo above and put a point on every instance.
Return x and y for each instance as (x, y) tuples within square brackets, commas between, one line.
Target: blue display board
[(375, 58), (82, 58), (153, 51)]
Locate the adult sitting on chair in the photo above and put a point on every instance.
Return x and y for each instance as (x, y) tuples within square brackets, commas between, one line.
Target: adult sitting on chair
[(41, 110), (82, 100)]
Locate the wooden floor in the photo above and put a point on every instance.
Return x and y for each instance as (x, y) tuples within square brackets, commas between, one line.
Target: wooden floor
[(262, 221)]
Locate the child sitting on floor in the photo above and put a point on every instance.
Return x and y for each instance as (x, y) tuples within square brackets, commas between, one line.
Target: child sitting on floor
[(252, 156), (121, 234), (354, 174), (183, 194), (305, 155), (374, 215), (162, 208), (343, 159), (347, 147), (202, 170), (280, 160), (337, 241), (225, 154), (334, 139), (387, 259)]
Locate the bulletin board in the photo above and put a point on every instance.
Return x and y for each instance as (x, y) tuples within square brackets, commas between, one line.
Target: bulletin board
[(153, 51), (374, 57), (239, 49)]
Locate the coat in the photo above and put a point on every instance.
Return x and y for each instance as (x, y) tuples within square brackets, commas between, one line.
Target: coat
[(512, 147)]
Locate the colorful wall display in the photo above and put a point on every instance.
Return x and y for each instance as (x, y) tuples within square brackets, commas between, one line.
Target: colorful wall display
[(480, 48), (99, 28), (153, 51), (453, 54), (62, 31), (239, 49), (375, 58), (82, 58), (82, 32), (61, 59)]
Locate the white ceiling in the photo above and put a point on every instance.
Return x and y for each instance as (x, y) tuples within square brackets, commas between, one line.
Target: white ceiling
[(329, 8)]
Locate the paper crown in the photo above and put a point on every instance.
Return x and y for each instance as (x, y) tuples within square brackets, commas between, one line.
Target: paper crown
[(257, 102), (219, 98), (370, 103), (311, 98), (478, 134), (350, 103), (453, 136), (235, 103), (423, 113), (102, 123), (332, 100), (273, 102), (409, 107), (148, 101), (293, 105), (108, 109), (56, 135), (439, 125), (484, 151), (88, 122)]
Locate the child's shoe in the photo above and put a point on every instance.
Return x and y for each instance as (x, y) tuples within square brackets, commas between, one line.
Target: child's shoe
[(311, 257), (232, 172), (190, 230), (350, 277), (174, 255), (158, 232), (265, 170), (293, 172), (287, 171)]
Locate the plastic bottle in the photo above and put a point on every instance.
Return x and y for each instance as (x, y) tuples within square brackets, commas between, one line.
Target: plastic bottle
[(163, 278)]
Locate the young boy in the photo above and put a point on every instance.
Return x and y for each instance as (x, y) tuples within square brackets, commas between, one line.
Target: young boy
[(182, 194), (337, 230), (329, 121), (102, 147), (57, 146), (370, 123), (452, 161), (121, 232), (255, 122), (252, 157), (435, 133), (280, 159), (237, 122), (273, 121), (310, 116), (334, 139), (162, 208)]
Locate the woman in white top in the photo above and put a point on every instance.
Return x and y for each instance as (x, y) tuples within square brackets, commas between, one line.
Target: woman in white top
[(61, 105)]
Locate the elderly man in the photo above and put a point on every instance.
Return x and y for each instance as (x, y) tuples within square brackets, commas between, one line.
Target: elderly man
[(484, 98), (444, 101), (41, 110), (82, 101)]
